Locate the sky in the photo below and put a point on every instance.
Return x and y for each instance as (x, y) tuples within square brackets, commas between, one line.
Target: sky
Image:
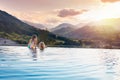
[(53, 12)]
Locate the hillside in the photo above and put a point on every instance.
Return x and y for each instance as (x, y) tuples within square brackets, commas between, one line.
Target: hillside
[(101, 34), (63, 29), (16, 30), (105, 29)]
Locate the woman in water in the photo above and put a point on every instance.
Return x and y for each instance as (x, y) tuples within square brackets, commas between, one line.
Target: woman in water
[(32, 44)]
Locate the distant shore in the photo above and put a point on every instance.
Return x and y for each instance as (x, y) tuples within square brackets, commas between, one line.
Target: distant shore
[(7, 42)]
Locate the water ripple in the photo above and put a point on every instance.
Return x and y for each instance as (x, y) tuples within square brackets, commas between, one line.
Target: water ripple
[(20, 63)]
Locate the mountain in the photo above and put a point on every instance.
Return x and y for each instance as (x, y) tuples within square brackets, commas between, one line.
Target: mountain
[(105, 29), (63, 29), (98, 34), (19, 31), (36, 25), (10, 24)]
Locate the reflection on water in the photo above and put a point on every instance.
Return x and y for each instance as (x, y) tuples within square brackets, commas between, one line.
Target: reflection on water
[(34, 54), (21, 63), (111, 62)]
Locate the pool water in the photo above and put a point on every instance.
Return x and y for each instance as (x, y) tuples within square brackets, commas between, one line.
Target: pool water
[(21, 63)]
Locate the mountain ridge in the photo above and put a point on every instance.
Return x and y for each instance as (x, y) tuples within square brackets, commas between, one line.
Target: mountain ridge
[(91, 30), (63, 29)]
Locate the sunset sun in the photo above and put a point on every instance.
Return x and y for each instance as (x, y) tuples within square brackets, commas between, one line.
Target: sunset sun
[(108, 11), (105, 11)]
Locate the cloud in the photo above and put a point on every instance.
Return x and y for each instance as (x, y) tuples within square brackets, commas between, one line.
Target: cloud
[(109, 1), (70, 12)]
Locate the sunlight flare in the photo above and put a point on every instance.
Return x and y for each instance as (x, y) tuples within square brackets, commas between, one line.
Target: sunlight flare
[(104, 12)]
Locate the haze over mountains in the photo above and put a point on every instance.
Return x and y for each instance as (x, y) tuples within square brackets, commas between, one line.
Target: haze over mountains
[(36, 25), (94, 30), (63, 29), (91, 30)]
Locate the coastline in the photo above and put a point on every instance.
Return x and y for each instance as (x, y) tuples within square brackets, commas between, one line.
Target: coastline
[(7, 42)]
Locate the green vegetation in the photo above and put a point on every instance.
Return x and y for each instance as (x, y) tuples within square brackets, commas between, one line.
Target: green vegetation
[(21, 39), (49, 39)]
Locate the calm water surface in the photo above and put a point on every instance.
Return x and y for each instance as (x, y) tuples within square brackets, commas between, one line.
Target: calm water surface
[(20, 63)]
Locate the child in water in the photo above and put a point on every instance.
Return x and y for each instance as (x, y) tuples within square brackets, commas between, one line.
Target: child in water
[(32, 44), (42, 45)]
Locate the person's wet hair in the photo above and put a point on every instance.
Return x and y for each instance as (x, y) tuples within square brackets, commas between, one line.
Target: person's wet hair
[(33, 37)]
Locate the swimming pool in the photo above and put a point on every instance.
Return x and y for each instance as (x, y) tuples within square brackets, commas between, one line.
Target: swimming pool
[(20, 63)]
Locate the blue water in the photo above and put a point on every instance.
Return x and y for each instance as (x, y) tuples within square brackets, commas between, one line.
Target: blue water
[(20, 63)]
